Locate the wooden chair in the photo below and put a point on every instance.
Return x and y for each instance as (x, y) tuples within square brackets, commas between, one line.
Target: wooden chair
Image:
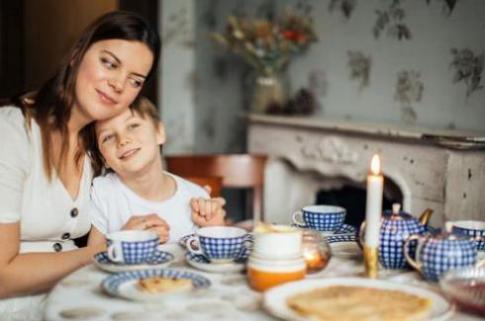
[(236, 170), (214, 182)]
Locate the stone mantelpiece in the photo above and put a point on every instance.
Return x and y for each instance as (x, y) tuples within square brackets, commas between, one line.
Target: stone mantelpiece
[(442, 170)]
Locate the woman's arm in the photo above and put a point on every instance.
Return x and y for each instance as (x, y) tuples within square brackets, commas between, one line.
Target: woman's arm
[(30, 273)]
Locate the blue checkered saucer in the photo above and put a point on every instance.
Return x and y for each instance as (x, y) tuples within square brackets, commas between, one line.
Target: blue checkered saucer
[(344, 229), (125, 284), (204, 264), (159, 260)]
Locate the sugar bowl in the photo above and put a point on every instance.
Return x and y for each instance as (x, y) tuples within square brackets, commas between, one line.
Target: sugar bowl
[(439, 253)]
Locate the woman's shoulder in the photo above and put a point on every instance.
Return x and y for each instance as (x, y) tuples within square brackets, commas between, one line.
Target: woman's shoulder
[(11, 114), (12, 121)]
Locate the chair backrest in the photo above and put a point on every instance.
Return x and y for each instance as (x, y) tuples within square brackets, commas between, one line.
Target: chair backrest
[(236, 170), (214, 182)]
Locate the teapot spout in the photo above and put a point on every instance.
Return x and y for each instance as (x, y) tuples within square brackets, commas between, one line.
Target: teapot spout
[(425, 216)]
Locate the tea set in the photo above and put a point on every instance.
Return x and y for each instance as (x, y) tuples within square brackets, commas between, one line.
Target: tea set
[(275, 254)]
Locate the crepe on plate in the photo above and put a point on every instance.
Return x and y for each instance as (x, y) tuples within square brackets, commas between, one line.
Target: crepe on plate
[(159, 284), (352, 303)]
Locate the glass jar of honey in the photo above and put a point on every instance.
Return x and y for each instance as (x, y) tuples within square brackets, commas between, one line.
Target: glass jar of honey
[(266, 273), (315, 250)]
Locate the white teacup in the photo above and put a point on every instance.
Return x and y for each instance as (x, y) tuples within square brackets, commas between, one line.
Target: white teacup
[(277, 242), (132, 247)]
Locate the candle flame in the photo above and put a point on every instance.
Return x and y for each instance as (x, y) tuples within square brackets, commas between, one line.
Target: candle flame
[(375, 165)]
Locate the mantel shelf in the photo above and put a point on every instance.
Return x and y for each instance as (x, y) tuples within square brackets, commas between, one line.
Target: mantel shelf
[(450, 138)]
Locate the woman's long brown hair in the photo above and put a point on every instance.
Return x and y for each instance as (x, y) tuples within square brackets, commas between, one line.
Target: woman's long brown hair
[(51, 106)]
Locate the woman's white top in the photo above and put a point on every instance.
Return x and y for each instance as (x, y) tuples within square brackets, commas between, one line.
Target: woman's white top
[(49, 218), (114, 203)]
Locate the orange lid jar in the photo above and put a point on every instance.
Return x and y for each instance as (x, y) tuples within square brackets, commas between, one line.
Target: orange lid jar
[(266, 273)]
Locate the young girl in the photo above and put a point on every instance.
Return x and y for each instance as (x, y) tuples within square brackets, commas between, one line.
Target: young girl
[(44, 173), (129, 145)]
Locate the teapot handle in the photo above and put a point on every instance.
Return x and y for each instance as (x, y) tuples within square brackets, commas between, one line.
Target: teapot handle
[(425, 216), (409, 259)]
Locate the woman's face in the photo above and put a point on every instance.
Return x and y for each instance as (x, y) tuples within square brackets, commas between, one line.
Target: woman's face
[(110, 76)]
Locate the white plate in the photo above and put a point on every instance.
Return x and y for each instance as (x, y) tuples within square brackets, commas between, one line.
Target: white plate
[(162, 259), (125, 284), (201, 263), (275, 298)]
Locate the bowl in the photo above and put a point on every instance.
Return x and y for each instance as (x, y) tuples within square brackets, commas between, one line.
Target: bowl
[(466, 287)]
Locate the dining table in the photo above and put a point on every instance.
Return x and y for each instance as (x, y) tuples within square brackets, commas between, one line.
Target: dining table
[(79, 295)]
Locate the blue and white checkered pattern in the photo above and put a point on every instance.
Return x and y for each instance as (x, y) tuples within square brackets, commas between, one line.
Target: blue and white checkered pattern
[(438, 256), (324, 221), (222, 248), (478, 236), (341, 238), (136, 252), (159, 257), (202, 259), (112, 283), (393, 233)]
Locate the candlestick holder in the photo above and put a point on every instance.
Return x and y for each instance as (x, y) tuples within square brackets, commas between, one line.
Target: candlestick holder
[(371, 261)]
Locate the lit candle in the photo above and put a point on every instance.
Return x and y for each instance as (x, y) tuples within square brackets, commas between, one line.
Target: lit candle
[(375, 186)]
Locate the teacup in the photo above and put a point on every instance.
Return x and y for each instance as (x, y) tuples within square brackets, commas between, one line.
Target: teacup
[(324, 218), (132, 247), (437, 254), (219, 244), (475, 230), (277, 242)]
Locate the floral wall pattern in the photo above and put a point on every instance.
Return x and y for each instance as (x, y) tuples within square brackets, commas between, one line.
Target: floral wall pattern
[(415, 62)]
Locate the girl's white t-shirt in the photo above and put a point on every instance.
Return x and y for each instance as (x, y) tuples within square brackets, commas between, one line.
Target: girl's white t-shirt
[(113, 203)]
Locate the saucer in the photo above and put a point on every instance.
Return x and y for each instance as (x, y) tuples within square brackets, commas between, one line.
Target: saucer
[(159, 260), (125, 284), (202, 263), (344, 229)]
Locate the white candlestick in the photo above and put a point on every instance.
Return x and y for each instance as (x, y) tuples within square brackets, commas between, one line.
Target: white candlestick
[(375, 187)]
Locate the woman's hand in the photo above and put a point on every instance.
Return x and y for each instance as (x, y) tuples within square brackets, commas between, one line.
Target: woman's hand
[(149, 222), (208, 212)]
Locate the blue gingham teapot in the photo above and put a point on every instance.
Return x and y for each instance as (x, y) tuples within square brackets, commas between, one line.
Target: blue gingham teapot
[(396, 227)]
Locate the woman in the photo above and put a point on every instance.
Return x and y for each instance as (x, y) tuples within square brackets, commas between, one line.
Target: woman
[(44, 173)]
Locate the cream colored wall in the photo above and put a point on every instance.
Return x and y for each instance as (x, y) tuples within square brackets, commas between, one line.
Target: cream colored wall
[(51, 27)]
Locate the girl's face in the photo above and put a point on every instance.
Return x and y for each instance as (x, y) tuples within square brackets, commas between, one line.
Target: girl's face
[(129, 143), (110, 76)]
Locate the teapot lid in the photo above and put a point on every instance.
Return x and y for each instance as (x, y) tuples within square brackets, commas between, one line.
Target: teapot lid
[(397, 214)]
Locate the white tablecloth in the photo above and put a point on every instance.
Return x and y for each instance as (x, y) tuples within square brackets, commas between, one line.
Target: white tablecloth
[(79, 297)]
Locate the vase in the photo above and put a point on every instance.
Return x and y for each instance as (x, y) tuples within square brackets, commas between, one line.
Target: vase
[(268, 95)]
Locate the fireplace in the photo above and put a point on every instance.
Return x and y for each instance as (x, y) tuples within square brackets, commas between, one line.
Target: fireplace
[(424, 168)]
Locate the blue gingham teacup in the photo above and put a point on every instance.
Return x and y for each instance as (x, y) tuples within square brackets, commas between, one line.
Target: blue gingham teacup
[(219, 244), (324, 218), (132, 247), (475, 230)]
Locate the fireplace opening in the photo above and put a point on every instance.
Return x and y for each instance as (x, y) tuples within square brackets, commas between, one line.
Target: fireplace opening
[(352, 197)]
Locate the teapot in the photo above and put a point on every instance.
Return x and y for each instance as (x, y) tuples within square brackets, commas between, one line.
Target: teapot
[(439, 253), (396, 227)]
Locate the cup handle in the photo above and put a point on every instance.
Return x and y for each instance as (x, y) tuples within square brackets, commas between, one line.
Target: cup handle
[(297, 218), (249, 242), (115, 252), (409, 259), (193, 245)]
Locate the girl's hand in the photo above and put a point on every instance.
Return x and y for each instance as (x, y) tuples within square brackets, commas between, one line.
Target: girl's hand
[(208, 212), (149, 222)]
